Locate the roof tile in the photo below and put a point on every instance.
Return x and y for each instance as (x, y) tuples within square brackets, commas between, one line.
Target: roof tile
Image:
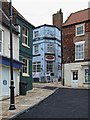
[(78, 17)]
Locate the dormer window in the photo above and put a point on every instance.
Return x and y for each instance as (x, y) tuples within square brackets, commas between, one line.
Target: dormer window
[(80, 29)]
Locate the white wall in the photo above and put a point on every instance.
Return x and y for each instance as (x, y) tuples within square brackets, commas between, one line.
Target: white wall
[(5, 70), (68, 68), (4, 89), (6, 44)]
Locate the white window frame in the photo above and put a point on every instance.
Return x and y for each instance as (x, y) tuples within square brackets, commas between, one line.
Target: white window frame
[(25, 73), (25, 36), (36, 51), (76, 44), (50, 67), (36, 64), (80, 25), (1, 42)]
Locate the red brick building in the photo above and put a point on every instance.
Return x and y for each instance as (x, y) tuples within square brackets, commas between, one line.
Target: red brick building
[(76, 49)]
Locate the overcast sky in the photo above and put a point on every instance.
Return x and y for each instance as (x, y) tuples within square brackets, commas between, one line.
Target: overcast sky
[(39, 12)]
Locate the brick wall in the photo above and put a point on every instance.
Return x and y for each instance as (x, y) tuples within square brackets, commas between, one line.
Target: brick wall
[(68, 45), (69, 39)]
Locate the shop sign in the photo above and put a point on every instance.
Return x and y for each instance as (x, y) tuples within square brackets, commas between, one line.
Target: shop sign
[(50, 57)]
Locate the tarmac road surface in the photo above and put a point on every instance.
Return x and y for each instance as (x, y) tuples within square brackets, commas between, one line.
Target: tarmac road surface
[(64, 103)]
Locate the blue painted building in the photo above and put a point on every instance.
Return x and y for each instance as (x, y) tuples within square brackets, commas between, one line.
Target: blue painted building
[(46, 53)]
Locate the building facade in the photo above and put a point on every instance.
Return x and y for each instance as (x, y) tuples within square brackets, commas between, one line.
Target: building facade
[(25, 50), (76, 49), (25, 36), (5, 57), (46, 53)]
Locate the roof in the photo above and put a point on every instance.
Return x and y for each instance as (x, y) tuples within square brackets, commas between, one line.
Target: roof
[(77, 17), (47, 25), (6, 21), (5, 14)]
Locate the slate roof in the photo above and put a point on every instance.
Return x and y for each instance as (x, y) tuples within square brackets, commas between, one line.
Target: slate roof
[(78, 17), (5, 12)]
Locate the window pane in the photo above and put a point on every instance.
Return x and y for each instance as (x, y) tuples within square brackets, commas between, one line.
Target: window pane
[(36, 49), (0, 35), (25, 66), (36, 34), (0, 41), (49, 48), (79, 54), (0, 47), (49, 66), (80, 29), (25, 35), (87, 75), (36, 66), (75, 75)]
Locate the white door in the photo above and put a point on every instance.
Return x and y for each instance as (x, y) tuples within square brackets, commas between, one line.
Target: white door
[(5, 82), (74, 79)]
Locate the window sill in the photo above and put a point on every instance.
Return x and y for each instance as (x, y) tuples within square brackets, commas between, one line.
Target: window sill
[(80, 35), (86, 83), (25, 45), (25, 75), (79, 59)]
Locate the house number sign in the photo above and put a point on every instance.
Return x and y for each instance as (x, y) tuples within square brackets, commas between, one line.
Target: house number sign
[(4, 82)]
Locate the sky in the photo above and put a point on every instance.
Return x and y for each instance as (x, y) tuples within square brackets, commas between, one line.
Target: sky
[(39, 12)]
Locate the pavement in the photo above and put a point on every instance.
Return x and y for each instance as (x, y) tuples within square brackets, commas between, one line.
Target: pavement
[(39, 92)]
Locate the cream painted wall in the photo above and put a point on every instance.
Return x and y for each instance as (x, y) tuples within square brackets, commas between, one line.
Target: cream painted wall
[(5, 70), (68, 68), (6, 44)]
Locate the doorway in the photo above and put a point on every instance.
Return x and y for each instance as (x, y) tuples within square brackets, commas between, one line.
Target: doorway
[(74, 79)]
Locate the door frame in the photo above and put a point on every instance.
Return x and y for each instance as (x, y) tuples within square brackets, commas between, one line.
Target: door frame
[(74, 83)]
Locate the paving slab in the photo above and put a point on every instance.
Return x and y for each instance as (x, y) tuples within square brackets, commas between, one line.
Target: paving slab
[(39, 92)]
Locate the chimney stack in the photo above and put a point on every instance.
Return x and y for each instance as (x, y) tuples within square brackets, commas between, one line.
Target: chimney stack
[(58, 19)]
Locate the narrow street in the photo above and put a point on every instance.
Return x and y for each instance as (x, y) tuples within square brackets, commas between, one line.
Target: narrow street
[(64, 103)]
